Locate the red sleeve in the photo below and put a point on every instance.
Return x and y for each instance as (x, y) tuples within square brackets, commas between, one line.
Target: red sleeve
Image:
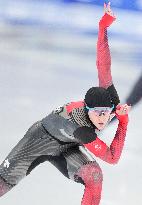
[(110, 154), (103, 52)]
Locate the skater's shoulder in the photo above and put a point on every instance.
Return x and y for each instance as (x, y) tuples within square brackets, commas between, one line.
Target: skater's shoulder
[(74, 105)]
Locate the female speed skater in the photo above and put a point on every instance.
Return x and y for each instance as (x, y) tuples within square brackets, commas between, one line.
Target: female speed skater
[(65, 135)]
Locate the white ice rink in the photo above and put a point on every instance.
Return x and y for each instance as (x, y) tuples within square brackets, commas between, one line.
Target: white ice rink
[(51, 61)]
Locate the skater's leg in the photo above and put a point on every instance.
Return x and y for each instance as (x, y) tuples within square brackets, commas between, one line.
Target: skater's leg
[(91, 174), (134, 96), (75, 165), (79, 168), (136, 93), (32, 149)]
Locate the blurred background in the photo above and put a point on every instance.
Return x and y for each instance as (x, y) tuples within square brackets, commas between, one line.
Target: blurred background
[(48, 58)]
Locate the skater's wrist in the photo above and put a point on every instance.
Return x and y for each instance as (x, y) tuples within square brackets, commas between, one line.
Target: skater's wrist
[(106, 21)]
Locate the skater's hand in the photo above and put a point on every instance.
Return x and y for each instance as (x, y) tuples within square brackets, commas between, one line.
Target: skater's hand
[(108, 10), (108, 17), (123, 109), (122, 112)]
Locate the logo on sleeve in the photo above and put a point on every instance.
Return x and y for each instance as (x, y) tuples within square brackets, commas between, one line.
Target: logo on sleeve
[(98, 147)]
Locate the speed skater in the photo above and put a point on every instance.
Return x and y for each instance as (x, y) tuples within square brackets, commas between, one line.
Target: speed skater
[(65, 135)]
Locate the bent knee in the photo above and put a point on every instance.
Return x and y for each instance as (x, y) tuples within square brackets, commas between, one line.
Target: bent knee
[(90, 173)]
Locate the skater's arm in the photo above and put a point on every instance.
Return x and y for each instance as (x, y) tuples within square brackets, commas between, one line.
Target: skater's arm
[(103, 55), (111, 154), (103, 60)]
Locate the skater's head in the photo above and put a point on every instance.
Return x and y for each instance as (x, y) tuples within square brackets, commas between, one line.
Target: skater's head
[(99, 106)]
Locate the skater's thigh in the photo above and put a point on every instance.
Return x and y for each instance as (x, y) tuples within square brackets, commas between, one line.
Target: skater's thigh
[(31, 150), (69, 161), (77, 160)]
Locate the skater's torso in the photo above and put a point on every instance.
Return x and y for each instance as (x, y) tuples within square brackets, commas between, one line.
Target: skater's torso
[(70, 123)]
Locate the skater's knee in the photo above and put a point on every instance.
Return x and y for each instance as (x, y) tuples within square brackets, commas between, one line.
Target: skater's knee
[(4, 186), (90, 173), (96, 173)]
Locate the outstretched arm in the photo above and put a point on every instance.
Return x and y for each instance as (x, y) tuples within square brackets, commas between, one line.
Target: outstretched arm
[(103, 55), (103, 52), (89, 139)]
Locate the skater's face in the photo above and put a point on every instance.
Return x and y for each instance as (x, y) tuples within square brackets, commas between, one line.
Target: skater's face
[(100, 117)]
